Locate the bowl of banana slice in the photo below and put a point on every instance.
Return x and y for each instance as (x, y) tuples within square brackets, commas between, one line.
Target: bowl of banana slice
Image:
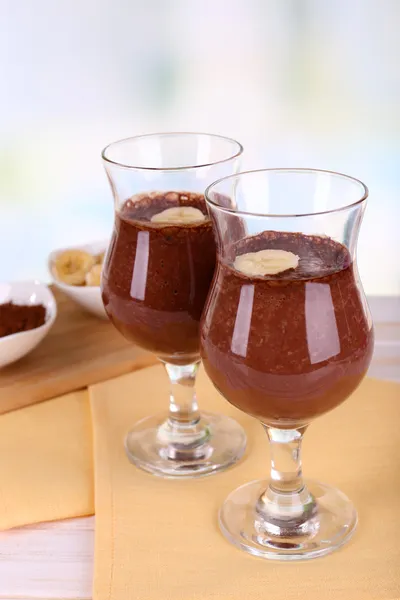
[(77, 271)]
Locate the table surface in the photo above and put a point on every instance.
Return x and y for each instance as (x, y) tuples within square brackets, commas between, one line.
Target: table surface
[(55, 560)]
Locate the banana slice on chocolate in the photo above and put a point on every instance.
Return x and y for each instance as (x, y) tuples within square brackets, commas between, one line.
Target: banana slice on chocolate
[(266, 262), (179, 215), (71, 266), (94, 275)]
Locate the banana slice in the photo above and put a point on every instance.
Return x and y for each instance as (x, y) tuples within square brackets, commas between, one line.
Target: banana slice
[(94, 275), (266, 262), (179, 214), (100, 258), (71, 266)]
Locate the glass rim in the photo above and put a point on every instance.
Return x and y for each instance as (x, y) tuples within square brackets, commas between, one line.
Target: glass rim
[(300, 170), (239, 150)]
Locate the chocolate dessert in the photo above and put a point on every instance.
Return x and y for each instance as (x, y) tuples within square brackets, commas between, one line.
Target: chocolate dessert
[(289, 346), (16, 318), (157, 273)]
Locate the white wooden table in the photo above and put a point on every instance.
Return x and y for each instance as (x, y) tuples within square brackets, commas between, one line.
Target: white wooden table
[(55, 560)]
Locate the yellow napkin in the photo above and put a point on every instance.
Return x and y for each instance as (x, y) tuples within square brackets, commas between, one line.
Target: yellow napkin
[(46, 462), (159, 540)]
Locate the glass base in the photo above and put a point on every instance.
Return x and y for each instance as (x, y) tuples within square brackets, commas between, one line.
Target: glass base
[(332, 524), (213, 444)]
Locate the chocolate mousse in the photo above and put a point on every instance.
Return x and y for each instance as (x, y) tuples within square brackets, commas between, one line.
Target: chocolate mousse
[(289, 346), (158, 271)]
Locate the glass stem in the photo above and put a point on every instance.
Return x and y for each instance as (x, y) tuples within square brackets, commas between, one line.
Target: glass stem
[(183, 408), (184, 434), (286, 508)]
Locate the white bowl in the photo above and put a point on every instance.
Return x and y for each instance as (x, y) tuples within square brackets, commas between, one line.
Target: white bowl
[(89, 297), (15, 346)]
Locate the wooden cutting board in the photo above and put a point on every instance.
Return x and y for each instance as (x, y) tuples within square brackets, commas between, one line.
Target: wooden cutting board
[(79, 350)]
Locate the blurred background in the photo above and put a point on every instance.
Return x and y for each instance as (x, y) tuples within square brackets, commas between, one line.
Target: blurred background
[(299, 82)]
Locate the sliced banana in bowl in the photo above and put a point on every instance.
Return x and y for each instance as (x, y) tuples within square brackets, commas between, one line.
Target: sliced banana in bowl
[(76, 271), (72, 266)]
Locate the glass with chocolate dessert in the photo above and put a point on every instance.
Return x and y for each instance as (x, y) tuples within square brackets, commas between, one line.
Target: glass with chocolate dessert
[(156, 277), (286, 336)]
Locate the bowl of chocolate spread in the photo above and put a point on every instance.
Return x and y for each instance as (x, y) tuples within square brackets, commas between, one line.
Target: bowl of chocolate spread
[(27, 313)]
